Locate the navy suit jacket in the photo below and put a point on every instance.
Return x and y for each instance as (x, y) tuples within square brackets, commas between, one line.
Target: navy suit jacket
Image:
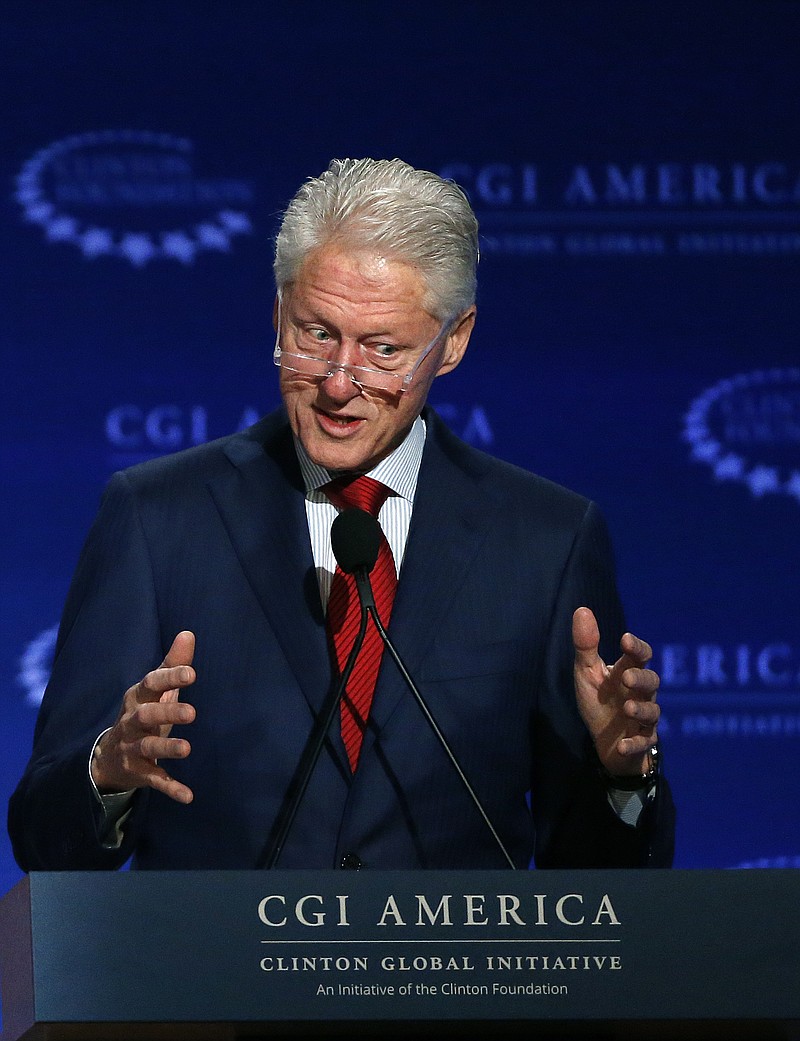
[(215, 539)]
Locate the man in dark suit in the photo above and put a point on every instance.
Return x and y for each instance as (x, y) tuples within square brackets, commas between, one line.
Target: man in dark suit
[(203, 587)]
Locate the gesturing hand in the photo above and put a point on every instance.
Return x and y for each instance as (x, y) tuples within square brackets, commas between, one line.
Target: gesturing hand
[(617, 702), (127, 755)]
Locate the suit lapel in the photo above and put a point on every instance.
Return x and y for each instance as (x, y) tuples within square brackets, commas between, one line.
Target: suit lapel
[(261, 501), (436, 558)]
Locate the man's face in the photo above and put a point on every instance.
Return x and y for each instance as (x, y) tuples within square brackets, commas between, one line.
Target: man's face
[(361, 297)]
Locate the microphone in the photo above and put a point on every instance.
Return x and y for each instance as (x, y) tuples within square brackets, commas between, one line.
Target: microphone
[(356, 541), (353, 535)]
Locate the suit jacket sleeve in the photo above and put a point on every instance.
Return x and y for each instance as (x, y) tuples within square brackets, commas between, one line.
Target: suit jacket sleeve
[(108, 639), (575, 825)]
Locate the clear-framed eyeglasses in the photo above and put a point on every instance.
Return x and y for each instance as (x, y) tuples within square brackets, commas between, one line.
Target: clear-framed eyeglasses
[(390, 368)]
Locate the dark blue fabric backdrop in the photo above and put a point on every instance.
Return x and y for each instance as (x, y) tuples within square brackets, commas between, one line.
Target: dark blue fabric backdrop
[(636, 173)]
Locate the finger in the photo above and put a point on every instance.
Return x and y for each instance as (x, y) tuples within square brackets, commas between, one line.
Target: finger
[(155, 748), (638, 650), (157, 682), (159, 780), (635, 746), (174, 673), (154, 714), (182, 650), (642, 683), (630, 669), (645, 714), (585, 637)]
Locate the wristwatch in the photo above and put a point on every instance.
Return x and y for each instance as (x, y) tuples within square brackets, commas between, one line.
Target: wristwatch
[(644, 782)]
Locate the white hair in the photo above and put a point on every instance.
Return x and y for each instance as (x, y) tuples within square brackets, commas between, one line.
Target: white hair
[(384, 204)]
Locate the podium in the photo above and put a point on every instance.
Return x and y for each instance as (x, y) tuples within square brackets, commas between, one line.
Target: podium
[(96, 956)]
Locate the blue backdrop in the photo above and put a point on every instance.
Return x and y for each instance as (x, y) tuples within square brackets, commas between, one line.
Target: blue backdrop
[(635, 170)]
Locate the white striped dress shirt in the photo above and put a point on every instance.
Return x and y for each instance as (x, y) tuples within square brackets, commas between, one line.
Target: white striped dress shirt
[(398, 471)]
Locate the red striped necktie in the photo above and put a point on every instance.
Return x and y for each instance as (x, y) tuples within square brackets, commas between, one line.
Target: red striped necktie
[(344, 612)]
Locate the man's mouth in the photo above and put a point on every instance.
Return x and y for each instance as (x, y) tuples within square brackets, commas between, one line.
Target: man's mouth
[(335, 422)]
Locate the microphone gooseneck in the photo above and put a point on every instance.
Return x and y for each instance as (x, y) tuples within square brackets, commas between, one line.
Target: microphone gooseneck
[(355, 542)]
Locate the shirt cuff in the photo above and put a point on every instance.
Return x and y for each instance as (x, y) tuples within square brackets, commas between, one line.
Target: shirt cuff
[(115, 806), (628, 806)]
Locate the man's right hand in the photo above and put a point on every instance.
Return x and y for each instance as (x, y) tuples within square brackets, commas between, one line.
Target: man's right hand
[(126, 756)]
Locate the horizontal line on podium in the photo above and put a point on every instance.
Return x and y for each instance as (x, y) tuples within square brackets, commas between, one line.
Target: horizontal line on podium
[(348, 941)]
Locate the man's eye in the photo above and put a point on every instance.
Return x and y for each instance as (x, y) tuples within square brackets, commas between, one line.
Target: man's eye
[(384, 350), (313, 338)]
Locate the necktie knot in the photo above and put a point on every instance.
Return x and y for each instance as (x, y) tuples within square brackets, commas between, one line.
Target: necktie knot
[(362, 493)]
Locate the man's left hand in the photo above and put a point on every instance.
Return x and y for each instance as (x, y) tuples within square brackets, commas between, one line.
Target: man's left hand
[(617, 702)]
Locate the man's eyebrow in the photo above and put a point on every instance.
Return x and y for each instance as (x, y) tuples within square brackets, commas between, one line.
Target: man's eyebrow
[(381, 334)]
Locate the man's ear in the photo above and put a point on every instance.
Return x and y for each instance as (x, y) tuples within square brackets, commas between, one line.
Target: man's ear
[(275, 308), (457, 340)]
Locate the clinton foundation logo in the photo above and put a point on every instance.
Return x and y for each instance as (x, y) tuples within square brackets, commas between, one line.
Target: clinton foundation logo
[(134, 195), (747, 429), (35, 664)]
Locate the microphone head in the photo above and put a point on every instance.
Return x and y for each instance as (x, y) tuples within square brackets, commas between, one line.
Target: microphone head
[(356, 539)]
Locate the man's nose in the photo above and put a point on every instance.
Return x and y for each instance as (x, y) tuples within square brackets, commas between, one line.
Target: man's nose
[(342, 359), (340, 385)]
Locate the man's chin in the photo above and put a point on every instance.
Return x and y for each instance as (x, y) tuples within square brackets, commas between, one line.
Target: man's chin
[(339, 457)]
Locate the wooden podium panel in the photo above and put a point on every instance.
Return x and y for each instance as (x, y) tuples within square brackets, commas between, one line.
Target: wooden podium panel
[(96, 956)]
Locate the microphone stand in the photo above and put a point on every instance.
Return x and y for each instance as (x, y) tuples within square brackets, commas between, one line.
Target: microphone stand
[(311, 752)]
